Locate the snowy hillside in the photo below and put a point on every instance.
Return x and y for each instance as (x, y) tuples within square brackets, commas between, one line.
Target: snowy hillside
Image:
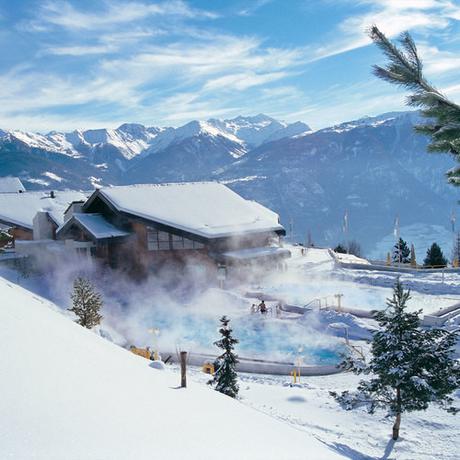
[(68, 393)]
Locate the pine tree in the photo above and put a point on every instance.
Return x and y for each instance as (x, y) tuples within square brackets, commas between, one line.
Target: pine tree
[(225, 377), (404, 68), (86, 303), (410, 367), (339, 249), (413, 260), (401, 252), (435, 257)]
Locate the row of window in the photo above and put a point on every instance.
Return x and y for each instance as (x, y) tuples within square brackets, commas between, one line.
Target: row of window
[(164, 241)]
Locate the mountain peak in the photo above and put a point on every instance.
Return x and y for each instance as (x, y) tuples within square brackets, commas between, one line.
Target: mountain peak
[(260, 118), (394, 118)]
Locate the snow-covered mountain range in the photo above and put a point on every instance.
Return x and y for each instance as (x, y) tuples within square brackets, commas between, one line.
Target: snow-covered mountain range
[(374, 168), (131, 139)]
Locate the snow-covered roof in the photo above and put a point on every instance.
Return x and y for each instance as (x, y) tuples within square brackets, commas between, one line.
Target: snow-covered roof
[(11, 185), (21, 208), (255, 253), (95, 224), (207, 209)]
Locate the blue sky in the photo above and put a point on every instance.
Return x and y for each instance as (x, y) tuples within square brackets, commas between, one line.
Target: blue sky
[(68, 64)]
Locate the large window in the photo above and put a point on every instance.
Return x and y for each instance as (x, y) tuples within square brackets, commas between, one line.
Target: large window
[(163, 241)]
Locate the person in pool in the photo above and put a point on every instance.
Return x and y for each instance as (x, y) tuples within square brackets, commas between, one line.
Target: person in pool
[(262, 307)]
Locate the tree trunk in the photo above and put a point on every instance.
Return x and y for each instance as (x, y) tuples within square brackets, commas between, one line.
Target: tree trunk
[(396, 427), (183, 369), (398, 415)]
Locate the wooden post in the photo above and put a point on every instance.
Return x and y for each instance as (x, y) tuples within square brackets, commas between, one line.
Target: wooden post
[(183, 369)]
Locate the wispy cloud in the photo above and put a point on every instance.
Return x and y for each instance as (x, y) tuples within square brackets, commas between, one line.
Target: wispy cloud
[(391, 16), (214, 67), (242, 81), (252, 8), (169, 62), (437, 61), (64, 14), (108, 43)]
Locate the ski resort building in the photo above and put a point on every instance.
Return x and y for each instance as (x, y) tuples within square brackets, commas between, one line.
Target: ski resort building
[(142, 228), (35, 215)]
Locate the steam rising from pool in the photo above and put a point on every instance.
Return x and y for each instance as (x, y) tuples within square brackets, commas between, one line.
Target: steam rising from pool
[(187, 312)]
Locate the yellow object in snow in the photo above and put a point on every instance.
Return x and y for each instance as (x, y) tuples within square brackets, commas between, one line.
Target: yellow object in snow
[(208, 368), (140, 352)]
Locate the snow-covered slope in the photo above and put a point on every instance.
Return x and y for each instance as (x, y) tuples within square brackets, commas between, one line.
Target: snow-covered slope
[(66, 393)]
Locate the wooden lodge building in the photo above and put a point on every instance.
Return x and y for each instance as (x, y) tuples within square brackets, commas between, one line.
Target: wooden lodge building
[(142, 228)]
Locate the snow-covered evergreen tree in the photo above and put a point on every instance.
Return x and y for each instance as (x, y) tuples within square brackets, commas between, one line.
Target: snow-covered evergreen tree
[(401, 252), (225, 377), (86, 303), (434, 257), (410, 368)]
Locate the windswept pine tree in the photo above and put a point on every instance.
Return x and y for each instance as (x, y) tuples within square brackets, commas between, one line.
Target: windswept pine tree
[(404, 68), (86, 303), (435, 257), (410, 368), (401, 252), (225, 377)]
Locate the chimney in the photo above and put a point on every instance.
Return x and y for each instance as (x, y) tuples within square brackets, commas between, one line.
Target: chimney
[(42, 226), (75, 207)]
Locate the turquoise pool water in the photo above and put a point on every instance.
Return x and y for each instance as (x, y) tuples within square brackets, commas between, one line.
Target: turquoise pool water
[(259, 337)]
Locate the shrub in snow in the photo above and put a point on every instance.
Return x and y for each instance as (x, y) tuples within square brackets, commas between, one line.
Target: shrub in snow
[(410, 367), (86, 303), (225, 377)]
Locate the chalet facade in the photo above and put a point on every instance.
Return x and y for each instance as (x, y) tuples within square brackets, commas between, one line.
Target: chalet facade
[(142, 228)]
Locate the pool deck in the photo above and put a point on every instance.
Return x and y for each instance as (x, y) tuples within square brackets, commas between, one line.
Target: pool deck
[(257, 366)]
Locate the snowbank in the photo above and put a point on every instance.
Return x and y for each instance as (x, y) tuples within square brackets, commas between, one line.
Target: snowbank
[(68, 393)]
